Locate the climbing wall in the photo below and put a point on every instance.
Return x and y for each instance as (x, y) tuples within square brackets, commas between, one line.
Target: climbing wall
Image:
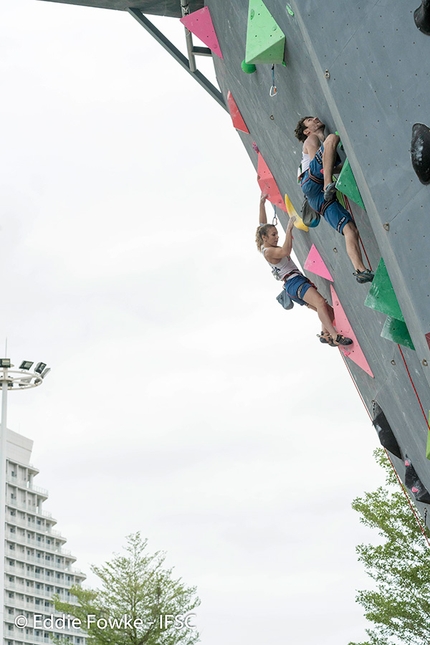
[(361, 71)]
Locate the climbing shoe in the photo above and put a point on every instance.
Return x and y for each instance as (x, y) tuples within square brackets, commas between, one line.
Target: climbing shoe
[(364, 276), (326, 339), (330, 192), (341, 340)]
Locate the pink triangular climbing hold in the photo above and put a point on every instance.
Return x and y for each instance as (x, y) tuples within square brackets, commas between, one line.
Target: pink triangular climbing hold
[(268, 185), (200, 24), (235, 114), (315, 264), (342, 324), (428, 339)]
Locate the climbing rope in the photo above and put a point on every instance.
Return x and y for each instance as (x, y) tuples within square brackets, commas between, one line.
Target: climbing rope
[(273, 90)]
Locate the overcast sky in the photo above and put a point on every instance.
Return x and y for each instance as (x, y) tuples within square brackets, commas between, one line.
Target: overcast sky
[(183, 401)]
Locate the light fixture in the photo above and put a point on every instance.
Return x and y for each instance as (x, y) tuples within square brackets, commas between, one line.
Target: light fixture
[(5, 362), (25, 365), (25, 381), (45, 372), (39, 367)]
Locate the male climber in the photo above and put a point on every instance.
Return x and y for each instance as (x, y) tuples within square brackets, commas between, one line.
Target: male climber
[(319, 161)]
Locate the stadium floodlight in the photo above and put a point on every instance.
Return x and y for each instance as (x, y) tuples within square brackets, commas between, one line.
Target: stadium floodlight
[(24, 382), (25, 365), (5, 362), (45, 372), (39, 368)]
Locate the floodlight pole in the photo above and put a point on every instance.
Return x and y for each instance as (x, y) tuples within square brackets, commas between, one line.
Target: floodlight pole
[(24, 380), (3, 445)]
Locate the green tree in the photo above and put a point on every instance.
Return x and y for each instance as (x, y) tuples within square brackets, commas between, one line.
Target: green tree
[(399, 605), (138, 602)]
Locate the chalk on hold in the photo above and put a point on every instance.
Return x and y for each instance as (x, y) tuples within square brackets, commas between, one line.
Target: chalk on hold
[(420, 152), (385, 433), (414, 483), (293, 213), (200, 24), (265, 41), (347, 185), (268, 185), (316, 264), (422, 17), (235, 114), (248, 68), (397, 332), (381, 296)]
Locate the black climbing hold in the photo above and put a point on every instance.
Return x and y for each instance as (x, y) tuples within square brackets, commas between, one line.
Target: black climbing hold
[(422, 17), (385, 434), (414, 483), (420, 151)]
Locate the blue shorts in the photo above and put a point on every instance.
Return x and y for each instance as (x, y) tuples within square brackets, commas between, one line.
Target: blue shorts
[(296, 288), (312, 183)]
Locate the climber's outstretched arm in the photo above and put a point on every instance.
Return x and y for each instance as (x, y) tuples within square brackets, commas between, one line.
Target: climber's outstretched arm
[(263, 214)]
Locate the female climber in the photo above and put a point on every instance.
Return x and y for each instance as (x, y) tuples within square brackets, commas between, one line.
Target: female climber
[(298, 287)]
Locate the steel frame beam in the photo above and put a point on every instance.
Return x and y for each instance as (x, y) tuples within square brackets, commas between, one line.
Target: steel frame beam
[(178, 56)]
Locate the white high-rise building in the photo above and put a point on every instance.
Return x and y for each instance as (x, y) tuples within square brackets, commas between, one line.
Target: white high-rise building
[(37, 565)]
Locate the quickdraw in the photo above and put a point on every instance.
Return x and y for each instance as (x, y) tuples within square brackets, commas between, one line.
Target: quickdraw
[(273, 90)]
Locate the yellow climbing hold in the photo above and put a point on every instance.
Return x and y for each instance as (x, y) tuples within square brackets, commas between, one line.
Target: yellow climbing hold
[(292, 211)]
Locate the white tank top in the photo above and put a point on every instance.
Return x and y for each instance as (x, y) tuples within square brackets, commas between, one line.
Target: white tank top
[(283, 267), (306, 162)]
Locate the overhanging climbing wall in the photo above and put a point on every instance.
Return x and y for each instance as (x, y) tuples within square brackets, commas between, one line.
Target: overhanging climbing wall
[(361, 71), (362, 68)]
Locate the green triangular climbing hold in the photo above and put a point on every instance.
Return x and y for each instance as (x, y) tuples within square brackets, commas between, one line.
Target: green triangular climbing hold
[(397, 332), (381, 296), (347, 185), (265, 42)]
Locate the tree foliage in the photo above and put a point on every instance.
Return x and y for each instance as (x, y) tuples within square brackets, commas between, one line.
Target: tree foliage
[(399, 604), (137, 602)]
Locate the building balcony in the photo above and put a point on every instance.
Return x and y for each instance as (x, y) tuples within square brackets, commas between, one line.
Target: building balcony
[(24, 484), (29, 508), (47, 531)]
